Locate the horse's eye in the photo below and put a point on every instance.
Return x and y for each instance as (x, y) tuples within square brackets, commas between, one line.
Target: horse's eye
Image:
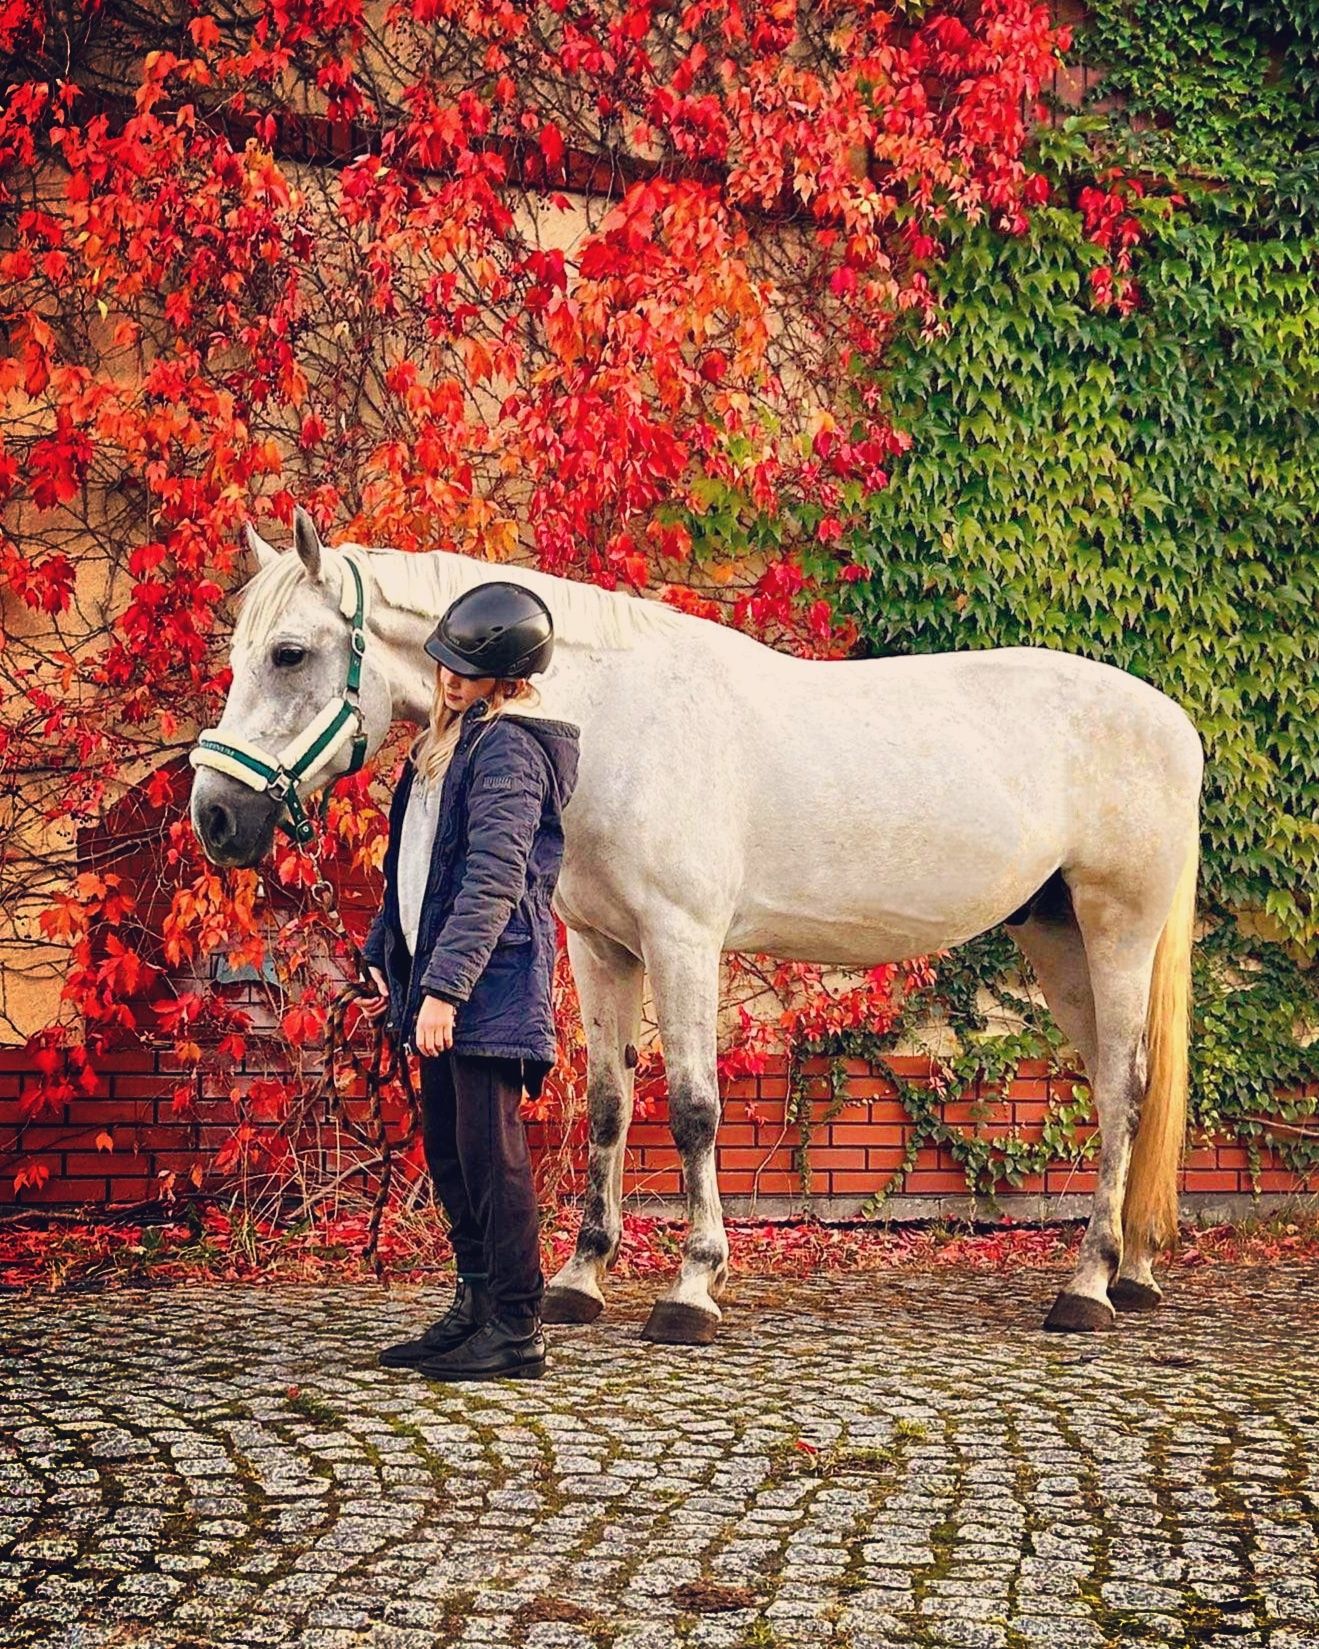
[(286, 655)]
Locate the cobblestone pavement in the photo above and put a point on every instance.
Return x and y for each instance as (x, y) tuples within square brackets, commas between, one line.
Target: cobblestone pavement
[(212, 1466)]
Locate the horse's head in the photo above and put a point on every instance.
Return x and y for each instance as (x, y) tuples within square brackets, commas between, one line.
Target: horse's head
[(306, 704)]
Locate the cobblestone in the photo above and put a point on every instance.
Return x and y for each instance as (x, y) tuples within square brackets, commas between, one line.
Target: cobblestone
[(202, 1468)]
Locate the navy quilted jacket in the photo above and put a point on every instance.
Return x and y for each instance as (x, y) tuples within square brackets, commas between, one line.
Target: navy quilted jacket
[(486, 940)]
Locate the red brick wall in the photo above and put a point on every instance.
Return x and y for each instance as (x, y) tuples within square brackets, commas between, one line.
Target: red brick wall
[(851, 1156)]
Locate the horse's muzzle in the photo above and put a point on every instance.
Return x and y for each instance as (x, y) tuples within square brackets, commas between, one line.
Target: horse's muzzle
[(234, 824)]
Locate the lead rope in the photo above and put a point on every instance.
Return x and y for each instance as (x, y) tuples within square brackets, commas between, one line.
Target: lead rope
[(374, 1072)]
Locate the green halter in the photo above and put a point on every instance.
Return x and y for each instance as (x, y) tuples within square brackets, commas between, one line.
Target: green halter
[(280, 775)]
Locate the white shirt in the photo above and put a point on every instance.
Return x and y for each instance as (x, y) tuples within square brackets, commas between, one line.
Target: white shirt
[(416, 840)]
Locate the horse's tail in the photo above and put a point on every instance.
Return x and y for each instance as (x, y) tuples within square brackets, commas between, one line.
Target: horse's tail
[(1149, 1211)]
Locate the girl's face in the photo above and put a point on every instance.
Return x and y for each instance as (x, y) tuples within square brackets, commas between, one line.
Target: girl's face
[(460, 691)]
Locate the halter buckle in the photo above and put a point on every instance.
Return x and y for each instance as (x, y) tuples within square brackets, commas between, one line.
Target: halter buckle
[(323, 893)]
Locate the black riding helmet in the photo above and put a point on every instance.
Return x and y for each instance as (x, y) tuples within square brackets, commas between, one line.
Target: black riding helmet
[(495, 629)]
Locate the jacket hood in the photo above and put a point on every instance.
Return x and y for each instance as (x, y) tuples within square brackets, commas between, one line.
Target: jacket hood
[(560, 740)]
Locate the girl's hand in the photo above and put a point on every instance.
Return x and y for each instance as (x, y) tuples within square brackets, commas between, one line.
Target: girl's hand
[(374, 1006), (435, 1026)]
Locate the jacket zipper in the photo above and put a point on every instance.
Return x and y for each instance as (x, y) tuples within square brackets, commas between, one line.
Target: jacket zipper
[(407, 1000), (412, 961)]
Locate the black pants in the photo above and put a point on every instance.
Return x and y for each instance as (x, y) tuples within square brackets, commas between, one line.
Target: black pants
[(476, 1150)]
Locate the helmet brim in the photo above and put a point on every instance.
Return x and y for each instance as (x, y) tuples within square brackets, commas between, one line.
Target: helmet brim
[(444, 654)]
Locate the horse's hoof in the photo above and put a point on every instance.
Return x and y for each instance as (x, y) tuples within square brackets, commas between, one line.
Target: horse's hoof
[(569, 1305), (1078, 1314), (1126, 1295), (672, 1323)]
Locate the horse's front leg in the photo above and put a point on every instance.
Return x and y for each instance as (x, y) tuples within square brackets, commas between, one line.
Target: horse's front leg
[(684, 974), (609, 985)]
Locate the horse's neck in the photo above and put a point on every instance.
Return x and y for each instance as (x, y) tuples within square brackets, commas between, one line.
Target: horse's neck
[(400, 636), (568, 690)]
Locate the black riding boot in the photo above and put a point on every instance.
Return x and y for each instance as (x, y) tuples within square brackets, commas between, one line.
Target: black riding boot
[(508, 1347), (470, 1309)]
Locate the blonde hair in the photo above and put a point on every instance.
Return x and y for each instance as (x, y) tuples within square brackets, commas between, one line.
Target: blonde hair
[(433, 748)]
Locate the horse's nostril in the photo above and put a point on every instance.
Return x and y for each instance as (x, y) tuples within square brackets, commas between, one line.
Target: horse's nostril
[(218, 823)]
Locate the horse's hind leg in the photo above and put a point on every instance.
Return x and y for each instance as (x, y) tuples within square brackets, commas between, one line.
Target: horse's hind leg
[(1050, 938), (1119, 952), (609, 982), (1051, 941)]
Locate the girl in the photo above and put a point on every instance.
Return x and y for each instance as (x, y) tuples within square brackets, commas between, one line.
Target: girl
[(463, 955)]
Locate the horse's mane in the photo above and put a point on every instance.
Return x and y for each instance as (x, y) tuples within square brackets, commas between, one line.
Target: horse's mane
[(425, 583)]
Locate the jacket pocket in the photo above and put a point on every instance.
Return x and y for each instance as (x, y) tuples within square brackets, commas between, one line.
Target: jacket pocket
[(517, 931)]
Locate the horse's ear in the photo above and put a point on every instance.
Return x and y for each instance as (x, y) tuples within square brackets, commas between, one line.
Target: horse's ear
[(307, 542), (265, 553)]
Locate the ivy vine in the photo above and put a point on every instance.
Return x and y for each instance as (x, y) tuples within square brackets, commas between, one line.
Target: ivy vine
[(1230, 87), (1227, 86), (1142, 488)]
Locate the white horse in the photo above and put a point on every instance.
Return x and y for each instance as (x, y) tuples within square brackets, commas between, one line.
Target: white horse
[(842, 812)]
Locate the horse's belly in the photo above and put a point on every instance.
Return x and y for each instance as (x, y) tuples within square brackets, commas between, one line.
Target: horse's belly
[(864, 937), (850, 896)]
